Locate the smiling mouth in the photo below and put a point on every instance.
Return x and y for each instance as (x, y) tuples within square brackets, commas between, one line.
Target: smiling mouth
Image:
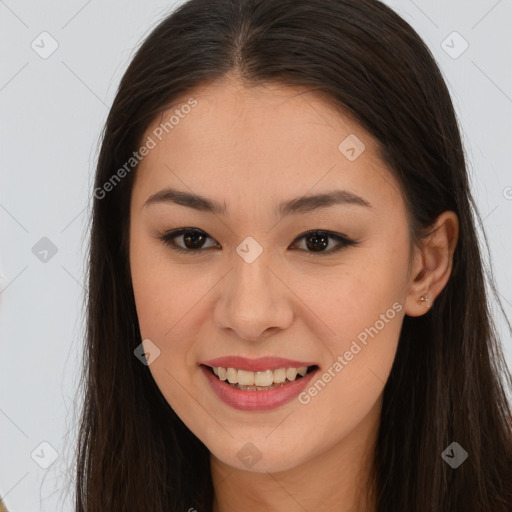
[(260, 381)]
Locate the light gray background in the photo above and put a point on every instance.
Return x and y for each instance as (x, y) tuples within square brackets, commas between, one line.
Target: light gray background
[(52, 112)]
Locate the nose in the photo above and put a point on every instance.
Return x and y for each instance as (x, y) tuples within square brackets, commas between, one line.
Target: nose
[(254, 302)]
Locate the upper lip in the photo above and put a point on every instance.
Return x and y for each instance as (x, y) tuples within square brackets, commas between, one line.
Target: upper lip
[(255, 365)]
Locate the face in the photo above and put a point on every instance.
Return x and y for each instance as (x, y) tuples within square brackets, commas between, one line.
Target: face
[(258, 276)]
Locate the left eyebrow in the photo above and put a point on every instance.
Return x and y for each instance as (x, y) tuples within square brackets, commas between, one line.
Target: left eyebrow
[(297, 205), (310, 203)]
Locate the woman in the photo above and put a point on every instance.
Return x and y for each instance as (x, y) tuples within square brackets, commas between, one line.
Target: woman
[(286, 301)]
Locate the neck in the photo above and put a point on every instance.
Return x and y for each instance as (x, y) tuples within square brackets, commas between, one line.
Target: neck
[(337, 479)]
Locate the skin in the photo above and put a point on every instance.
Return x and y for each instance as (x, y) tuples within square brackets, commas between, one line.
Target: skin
[(251, 148)]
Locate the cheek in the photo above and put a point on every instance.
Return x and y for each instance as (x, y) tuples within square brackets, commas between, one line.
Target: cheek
[(364, 314), (159, 286), (162, 300), (167, 307), (363, 297), (352, 378), (151, 295), (157, 308)]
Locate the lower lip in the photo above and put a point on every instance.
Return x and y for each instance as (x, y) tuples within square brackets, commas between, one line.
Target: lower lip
[(256, 400)]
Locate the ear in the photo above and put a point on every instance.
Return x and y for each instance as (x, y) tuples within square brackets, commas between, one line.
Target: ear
[(432, 264)]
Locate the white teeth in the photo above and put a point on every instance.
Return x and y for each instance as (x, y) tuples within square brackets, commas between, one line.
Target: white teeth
[(232, 375), (291, 373), (279, 375), (245, 378), (263, 379)]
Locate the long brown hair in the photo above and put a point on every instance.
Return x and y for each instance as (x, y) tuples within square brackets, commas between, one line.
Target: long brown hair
[(448, 382)]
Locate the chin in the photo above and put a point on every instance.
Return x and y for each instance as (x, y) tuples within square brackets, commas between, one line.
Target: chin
[(257, 458)]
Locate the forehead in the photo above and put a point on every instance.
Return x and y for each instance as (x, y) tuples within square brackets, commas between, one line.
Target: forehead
[(269, 112), (260, 141)]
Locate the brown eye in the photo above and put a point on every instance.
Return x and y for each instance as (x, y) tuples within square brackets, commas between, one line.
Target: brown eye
[(317, 241), (192, 239)]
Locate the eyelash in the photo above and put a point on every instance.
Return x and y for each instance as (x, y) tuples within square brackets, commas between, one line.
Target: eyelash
[(343, 240)]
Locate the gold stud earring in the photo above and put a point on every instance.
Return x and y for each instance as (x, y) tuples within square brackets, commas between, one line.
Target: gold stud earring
[(424, 300)]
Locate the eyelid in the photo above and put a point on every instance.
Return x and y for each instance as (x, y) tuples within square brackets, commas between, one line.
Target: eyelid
[(342, 239), (168, 239)]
